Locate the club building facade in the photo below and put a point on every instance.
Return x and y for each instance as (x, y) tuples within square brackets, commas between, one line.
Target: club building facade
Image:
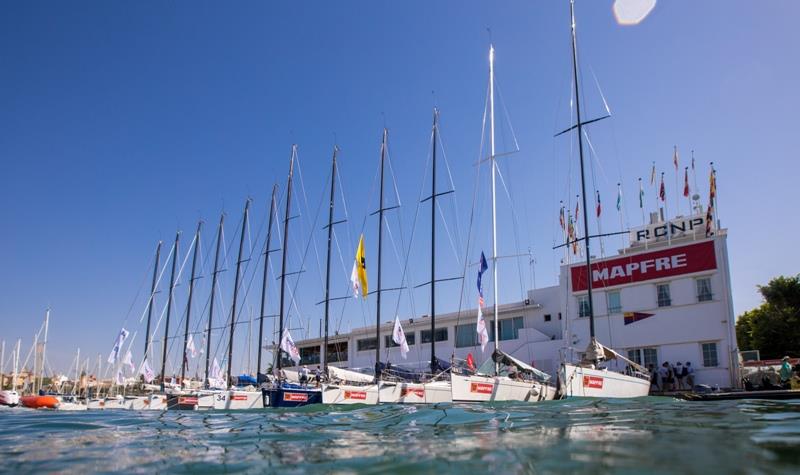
[(664, 298)]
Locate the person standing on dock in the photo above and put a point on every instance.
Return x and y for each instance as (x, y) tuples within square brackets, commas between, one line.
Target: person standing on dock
[(785, 373), (689, 374)]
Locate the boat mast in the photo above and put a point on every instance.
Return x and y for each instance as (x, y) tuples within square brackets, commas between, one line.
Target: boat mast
[(236, 288), (189, 302), (169, 310), (267, 251), (583, 177), (213, 294), (328, 263), (286, 218), (152, 301), (44, 347), (494, 201), (434, 365), (16, 365), (3, 365), (380, 253)]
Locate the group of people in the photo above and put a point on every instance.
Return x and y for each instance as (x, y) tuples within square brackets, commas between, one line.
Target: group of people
[(305, 376), (672, 378)]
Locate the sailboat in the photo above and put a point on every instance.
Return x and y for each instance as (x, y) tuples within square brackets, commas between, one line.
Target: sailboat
[(283, 393), (502, 377), (342, 386), (10, 397), (588, 377), (415, 388)]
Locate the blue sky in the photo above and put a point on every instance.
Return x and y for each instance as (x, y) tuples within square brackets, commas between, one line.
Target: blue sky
[(124, 121)]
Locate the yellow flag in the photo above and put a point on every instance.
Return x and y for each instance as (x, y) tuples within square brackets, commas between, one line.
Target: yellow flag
[(358, 278)]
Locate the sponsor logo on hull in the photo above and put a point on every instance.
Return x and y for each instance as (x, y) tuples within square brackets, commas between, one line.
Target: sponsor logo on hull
[(595, 382), (481, 388), (239, 397), (187, 400), (359, 395), (295, 397), (418, 392)]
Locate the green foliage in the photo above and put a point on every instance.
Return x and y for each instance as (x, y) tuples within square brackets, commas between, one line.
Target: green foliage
[(774, 327)]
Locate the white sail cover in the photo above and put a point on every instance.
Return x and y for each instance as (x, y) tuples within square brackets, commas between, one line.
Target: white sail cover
[(541, 375), (348, 375)]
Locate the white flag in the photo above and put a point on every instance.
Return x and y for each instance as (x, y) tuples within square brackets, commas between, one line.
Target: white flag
[(190, 349), (120, 379), (123, 334), (287, 345), (147, 372), (128, 360), (215, 379), (354, 280), (483, 335), (399, 337)]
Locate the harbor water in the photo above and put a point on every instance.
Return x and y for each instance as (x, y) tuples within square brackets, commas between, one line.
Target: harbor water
[(647, 435)]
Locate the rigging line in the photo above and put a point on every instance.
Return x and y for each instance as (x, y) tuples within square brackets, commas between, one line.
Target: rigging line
[(472, 213), (505, 113), (449, 234), (455, 197), (151, 261), (155, 288), (308, 209), (515, 225)]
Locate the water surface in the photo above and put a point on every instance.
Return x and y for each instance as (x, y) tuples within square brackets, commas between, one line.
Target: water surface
[(648, 435)]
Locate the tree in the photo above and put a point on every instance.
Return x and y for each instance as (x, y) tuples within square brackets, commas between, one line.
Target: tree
[(774, 327)]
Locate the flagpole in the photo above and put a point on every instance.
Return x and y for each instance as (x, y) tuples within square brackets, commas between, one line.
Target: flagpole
[(694, 175), (675, 162), (620, 209)]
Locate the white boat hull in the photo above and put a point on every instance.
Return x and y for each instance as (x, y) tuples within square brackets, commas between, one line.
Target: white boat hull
[(151, 402), (9, 398), (229, 400), (577, 381), (478, 388), (349, 394), (414, 393)]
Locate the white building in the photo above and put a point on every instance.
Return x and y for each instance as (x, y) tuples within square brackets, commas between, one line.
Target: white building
[(665, 298)]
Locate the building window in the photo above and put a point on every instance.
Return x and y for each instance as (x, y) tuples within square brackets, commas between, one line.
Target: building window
[(559, 315), (664, 299), (410, 339), (309, 355), (425, 335), (547, 317), (583, 306), (466, 335), (509, 328), (703, 289), (367, 344), (710, 355), (337, 352), (644, 356), (614, 302)]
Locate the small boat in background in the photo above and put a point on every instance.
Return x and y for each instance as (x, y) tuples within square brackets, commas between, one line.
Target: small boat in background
[(46, 401), (9, 398)]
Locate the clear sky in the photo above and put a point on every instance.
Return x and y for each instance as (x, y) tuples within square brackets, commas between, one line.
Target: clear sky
[(122, 122)]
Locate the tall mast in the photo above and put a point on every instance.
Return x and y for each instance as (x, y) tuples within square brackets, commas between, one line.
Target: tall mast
[(583, 177), (494, 200), (213, 294), (152, 301), (189, 302), (286, 218), (169, 310), (328, 263), (267, 252), (433, 245), (16, 366), (380, 254), (3, 365), (236, 288), (44, 347)]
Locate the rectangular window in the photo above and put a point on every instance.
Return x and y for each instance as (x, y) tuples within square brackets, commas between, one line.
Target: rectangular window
[(391, 344), (703, 289), (466, 335), (547, 317), (337, 352), (309, 355), (614, 302), (710, 359), (583, 306), (509, 328), (664, 298), (559, 315), (644, 356), (367, 344), (425, 335)]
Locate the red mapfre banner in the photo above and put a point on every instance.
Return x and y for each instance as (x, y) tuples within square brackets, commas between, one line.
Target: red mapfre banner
[(647, 266)]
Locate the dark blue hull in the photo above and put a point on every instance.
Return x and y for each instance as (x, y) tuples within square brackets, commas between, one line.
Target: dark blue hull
[(291, 396)]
